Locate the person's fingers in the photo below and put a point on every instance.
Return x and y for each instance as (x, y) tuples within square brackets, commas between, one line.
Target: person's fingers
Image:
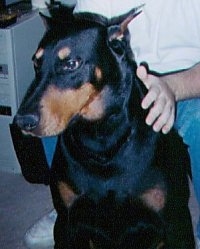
[(163, 119), (143, 75), (150, 98), (167, 127), (155, 111), (162, 112)]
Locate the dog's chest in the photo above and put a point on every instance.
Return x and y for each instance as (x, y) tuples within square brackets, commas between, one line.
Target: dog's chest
[(121, 173)]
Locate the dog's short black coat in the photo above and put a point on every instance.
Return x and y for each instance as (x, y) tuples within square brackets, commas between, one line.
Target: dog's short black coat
[(115, 182)]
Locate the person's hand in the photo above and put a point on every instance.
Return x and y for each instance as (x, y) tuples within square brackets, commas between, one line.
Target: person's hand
[(160, 99)]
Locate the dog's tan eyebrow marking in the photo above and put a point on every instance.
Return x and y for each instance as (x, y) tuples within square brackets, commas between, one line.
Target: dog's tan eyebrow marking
[(118, 36), (98, 73), (64, 53), (39, 53)]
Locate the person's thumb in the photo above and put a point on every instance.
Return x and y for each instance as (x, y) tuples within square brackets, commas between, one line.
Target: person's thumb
[(143, 75)]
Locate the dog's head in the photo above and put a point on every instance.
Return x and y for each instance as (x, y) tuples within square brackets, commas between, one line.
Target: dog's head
[(82, 69)]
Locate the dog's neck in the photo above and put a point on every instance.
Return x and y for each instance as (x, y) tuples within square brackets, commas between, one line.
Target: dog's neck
[(106, 136)]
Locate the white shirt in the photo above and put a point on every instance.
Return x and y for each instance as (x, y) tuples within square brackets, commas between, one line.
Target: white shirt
[(166, 34)]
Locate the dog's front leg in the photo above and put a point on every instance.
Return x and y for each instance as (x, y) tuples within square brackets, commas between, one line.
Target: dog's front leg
[(62, 233)]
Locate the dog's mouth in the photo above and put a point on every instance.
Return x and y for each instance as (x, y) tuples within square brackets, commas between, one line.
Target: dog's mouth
[(58, 107)]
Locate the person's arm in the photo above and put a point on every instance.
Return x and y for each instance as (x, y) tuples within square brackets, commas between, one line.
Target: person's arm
[(164, 91), (185, 84)]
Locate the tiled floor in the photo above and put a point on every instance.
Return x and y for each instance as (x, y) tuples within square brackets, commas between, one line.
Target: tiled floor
[(22, 204)]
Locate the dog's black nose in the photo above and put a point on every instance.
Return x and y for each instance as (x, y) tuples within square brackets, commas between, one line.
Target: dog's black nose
[(26, 122)]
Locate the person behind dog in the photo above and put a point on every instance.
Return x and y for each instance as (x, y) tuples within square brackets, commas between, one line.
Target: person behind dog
[(166, 35)]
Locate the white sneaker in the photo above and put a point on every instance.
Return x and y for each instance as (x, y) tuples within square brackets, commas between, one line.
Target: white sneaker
[(40, 235)]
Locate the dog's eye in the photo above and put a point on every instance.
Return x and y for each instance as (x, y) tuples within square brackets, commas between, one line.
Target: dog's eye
[(67, 65), (71, 64)]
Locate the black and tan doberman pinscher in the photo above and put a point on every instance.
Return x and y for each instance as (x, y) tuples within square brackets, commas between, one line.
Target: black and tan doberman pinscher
[(115, 183)]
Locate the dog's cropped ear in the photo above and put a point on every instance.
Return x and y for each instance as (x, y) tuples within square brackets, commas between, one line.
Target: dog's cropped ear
[(118, 35), (120, 23), (58, 15), (47, 21), (123, 20), (154, 198)]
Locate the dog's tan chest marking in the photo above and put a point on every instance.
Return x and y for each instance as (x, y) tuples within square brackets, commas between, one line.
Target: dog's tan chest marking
[(154, 198), (161, 245), (66, 193)]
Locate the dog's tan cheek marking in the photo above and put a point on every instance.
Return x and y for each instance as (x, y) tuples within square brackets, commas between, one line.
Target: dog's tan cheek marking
[(66, 193), (95, 108), (59, 106), (64, 53), (154, 198)]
